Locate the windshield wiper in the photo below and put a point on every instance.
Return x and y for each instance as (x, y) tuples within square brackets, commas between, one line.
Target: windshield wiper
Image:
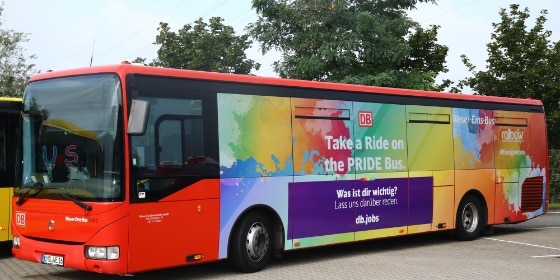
[(39, 187), (77, 201)]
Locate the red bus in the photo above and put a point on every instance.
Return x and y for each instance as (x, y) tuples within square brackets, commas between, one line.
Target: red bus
[(129, 168)]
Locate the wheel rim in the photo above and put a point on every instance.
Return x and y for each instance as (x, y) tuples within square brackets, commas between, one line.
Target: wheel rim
[(257, 241), (470, 217)]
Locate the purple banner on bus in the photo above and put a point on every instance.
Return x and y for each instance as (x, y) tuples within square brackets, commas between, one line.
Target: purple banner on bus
[(333, 207)]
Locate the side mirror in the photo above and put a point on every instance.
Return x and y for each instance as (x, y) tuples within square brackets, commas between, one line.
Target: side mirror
[(138, 118)]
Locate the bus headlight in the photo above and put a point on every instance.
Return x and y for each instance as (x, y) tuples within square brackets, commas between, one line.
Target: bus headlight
[(15, 242), (102, 253)]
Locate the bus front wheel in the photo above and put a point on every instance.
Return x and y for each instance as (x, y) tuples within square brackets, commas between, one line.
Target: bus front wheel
[(470, 218), (250, 248)]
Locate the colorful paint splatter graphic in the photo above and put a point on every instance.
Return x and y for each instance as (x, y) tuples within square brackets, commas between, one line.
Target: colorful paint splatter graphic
[(332, 169)]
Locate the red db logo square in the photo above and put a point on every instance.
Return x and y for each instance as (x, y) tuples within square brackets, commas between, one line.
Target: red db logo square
[(20, 219), (365, 119)]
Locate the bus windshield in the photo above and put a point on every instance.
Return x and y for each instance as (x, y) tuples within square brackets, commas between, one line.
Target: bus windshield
[(71, 139)]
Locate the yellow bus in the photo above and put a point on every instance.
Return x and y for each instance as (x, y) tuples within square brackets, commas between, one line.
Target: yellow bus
[(10, 108)]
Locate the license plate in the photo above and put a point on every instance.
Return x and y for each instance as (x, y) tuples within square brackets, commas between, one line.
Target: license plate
[(52, 260)]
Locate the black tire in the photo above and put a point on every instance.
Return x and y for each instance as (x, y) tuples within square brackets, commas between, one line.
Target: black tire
[(250, 246), (470, 219)]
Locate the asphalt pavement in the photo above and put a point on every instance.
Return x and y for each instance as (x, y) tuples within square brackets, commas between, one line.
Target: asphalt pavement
[(528, 250)]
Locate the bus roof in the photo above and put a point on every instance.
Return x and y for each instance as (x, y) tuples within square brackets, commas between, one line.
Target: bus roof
[(10, 104), (133, 68), (10, 99)]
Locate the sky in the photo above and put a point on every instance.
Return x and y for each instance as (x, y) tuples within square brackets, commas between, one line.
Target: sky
[(67, 33)]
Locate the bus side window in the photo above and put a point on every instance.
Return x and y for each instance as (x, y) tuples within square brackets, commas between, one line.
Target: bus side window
[(171, 154), (180, 145)]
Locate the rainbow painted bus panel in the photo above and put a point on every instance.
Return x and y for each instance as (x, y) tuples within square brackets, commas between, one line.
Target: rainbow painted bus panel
[(339, 167)]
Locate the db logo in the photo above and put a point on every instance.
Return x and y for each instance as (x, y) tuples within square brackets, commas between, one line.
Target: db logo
[(20, 218), (365, 118)]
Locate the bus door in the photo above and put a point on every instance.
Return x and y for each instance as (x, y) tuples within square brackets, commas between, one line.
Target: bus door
[(380, 161), (322, 194), (174, 190)]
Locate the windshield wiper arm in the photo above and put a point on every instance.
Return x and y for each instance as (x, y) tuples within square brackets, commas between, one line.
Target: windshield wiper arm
[(39, 187), (78, 202)]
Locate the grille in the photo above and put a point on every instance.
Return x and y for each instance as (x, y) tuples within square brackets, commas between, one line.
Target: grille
[(531, 194)]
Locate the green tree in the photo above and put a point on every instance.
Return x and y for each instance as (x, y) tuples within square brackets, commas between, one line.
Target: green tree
[(554, 171), (14, 69), (521, 63), (203, 46), (352, 41)]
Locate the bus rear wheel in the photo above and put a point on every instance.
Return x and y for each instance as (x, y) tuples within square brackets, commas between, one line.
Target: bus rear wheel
[(470, 218), (250, 248)]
